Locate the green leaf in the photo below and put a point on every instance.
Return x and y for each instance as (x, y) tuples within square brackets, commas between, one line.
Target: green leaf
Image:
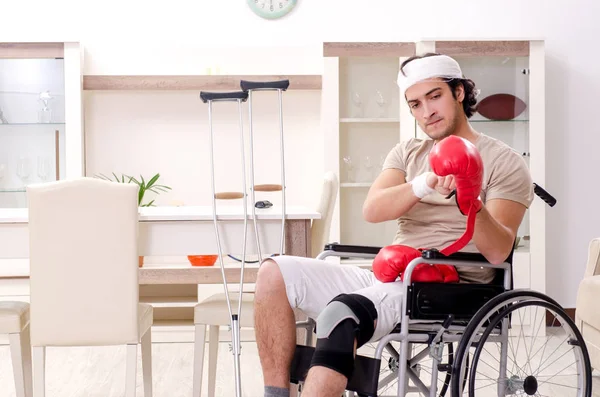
[(153, 180), (143, 185)]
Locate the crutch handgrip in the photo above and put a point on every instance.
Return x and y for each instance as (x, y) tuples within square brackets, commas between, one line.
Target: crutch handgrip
[(223, 96), (264, 85), (267, 188), (229, 195)]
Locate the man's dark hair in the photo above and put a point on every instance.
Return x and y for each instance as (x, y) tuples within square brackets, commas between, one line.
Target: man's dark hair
[(470, 101)]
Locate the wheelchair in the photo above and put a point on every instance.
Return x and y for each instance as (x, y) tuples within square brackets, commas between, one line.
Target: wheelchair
[(481, 339)]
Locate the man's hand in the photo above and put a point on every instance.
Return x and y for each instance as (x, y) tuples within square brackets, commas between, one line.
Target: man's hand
[(458, 157), (443, 184)]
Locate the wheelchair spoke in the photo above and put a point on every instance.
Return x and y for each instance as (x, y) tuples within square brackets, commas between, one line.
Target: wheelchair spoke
[(543, 348), (527, 351), (555, 350), (561, 356), (511, 345), (528, 380), (494, 383), (533, 339)]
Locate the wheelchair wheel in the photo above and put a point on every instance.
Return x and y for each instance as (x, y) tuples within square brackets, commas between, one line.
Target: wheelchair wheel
[(515, 352)]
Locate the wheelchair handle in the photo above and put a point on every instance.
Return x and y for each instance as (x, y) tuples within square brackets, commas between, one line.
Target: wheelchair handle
[(544, 195)]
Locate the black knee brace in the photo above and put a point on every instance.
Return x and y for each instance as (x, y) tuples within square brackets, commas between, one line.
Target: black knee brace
[(348, 317)]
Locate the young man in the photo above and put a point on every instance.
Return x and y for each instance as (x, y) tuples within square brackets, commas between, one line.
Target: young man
[(351, 305)]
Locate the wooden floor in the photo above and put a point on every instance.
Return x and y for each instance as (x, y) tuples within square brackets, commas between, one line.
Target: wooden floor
[(100, 372)]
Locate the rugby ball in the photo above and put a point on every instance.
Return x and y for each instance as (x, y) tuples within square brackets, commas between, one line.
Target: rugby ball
[(501, 107)]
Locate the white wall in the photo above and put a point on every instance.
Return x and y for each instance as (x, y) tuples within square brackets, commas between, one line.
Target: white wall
[(122, 37)]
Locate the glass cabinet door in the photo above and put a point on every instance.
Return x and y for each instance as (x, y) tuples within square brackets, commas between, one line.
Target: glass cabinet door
[(32, 125), (503, 84)]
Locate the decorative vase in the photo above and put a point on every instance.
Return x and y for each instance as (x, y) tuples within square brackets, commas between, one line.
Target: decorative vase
[(140, 261)]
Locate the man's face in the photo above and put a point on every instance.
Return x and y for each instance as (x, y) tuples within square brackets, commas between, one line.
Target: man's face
[(435, 109)]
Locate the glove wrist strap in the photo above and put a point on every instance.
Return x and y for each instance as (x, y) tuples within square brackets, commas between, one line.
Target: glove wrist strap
[(467, 235)]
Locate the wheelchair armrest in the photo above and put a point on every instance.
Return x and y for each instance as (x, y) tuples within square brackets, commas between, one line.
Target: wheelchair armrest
[(354, 249), (459, 256)]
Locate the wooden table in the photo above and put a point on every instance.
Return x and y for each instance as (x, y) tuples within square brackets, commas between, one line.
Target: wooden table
[(175, 231), (167, 236)]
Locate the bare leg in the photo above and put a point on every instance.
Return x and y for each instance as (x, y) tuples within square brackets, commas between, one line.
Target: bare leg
[(325, 382), (275, 326)]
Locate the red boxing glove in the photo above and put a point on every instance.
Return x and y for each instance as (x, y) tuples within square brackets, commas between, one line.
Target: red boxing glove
[(391, 261), (449, 273), (459, 157), (426, 273)]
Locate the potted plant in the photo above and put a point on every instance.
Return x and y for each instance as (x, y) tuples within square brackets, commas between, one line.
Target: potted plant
[(144, 186)]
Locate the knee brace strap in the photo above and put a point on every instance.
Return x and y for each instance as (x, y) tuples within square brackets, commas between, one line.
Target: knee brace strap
[(346, 318), (366, 313)]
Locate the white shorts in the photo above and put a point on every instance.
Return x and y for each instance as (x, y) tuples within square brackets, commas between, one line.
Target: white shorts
[(312, 283)]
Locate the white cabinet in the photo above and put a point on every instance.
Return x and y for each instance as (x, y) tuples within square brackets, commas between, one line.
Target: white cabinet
[(41, 135), (364, 117), (41, 132)]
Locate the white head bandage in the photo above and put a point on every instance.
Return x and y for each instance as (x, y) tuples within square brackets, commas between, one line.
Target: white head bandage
[(440, 66)]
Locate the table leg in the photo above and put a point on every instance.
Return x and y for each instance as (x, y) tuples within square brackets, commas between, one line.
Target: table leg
[(297, 243)]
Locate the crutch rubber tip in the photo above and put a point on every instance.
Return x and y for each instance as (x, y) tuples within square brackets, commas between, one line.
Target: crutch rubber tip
[(229, 195), (267, 188)]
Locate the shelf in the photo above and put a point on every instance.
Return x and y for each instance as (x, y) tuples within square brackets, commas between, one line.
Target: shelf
[(49, 124), (369, 120), (356, 184), (368, 49), (193, 82), (12, 190), (170, 301), (499, 121)]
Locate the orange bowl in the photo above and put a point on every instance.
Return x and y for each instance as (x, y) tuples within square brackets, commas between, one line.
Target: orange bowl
[(202, 260)]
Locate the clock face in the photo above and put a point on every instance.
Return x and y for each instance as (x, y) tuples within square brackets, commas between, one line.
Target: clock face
[(271, 9)]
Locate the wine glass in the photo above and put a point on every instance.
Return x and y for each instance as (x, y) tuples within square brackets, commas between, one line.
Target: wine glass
[(349, 169), (23, 169), (45, 113), (369, 166), (357, 109), (381, 162), (381, 103), (43, 168)]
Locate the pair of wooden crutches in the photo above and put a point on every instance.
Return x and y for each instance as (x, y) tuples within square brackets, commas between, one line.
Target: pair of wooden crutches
[(245, 94)]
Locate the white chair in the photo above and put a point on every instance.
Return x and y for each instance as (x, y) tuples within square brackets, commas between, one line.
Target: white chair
[(14, 321), (83, 237), (587, 317), (320, 228), (213, 312)]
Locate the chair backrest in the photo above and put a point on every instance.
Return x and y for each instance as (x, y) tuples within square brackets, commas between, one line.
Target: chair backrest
[(83, 250), (321, 227), (592, 267)]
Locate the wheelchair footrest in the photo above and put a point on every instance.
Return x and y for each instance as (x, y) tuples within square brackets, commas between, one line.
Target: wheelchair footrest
[(365, 376)]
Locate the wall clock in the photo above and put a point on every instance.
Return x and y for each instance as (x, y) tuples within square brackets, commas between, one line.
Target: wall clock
[(272, 9)]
